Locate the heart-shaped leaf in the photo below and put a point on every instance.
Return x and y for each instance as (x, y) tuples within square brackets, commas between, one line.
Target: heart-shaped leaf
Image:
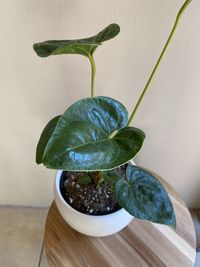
[(46, 134), (83, 47), (104, 112), (144, 197), (91, 135)]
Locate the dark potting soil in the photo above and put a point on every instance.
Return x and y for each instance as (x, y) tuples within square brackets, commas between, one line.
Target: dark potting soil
[(92, 199)]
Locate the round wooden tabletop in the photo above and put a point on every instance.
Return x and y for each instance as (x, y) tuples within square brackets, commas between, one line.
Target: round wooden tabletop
[(140, 244)]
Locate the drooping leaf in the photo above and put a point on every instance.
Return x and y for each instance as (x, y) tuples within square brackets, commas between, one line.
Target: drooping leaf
[(83, 47), (83, 138), (144, 197), (45, 136), (84, 179)]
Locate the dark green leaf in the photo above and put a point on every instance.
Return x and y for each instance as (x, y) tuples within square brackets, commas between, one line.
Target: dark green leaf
[(83, 47), (84, 179), (144, 197), (110, 177), (105, 113), (46, 134), (83, 138)]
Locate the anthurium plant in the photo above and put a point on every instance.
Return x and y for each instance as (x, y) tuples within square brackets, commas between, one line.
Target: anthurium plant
[(94, 135)]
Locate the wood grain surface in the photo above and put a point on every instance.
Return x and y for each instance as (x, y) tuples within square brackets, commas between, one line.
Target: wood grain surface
[(140, 244), (195, 213)]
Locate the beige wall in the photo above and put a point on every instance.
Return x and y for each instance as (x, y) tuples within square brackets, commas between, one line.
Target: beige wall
[(33, 89)]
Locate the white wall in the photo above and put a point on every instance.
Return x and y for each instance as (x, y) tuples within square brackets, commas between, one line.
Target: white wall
[(33, 89)]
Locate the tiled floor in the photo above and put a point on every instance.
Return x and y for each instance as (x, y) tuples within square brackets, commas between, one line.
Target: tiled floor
[(43, 262), (21, 237)]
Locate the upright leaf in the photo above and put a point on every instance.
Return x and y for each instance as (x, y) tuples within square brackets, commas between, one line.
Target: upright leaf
[(91, 135), (104, 112), (144, 197), (111, 177), (85, 179), (83, 47)]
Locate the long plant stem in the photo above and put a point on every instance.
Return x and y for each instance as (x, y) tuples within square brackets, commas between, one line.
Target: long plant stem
[(187, 2), (93, 70)]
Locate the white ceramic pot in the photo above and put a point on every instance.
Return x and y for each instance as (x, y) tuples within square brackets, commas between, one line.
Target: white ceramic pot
[(99, 225)]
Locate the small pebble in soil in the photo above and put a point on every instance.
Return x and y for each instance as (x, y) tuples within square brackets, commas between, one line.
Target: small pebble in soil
[(70, 200), (91, 211), (100, 190), (90, 199)]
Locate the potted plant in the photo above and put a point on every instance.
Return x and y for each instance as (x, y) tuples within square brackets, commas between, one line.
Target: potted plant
[(97, 190)]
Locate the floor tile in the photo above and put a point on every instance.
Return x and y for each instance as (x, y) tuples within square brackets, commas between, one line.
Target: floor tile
[(43, 262), (21, 235)]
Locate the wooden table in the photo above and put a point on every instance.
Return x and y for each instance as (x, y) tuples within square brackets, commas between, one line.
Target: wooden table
[(140, 244)]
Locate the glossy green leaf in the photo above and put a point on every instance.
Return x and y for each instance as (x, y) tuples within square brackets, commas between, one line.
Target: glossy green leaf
[(91, 135), (144, 197), (83, 47), (45, 136), (84, 179), (103, 112)]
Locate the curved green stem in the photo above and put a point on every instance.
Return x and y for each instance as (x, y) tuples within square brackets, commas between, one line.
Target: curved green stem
[(187, 2), (93, 70)]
